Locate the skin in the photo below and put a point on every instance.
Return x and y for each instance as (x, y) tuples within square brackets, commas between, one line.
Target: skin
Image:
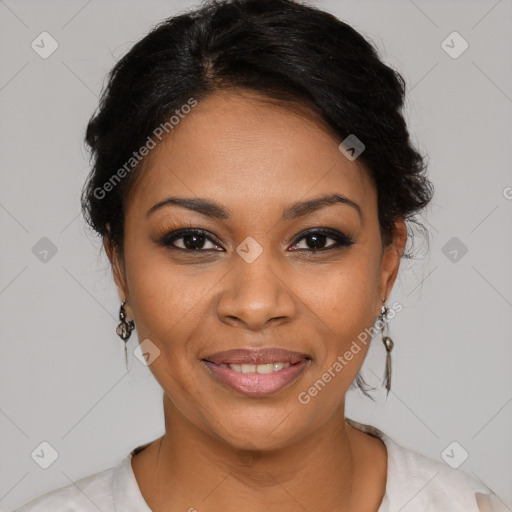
[(255, 158)]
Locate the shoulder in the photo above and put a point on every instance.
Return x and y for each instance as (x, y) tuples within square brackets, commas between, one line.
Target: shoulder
[(416, 482), (91, 493), (415, 478), (422, 483)]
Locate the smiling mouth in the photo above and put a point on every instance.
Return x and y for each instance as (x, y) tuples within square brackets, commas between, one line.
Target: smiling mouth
[(262, 369), (257, 372)]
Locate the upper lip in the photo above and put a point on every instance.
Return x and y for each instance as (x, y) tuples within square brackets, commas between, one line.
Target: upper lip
[(256, 356)]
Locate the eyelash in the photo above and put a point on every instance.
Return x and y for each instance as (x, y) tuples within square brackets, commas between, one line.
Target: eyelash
[(341, 240)]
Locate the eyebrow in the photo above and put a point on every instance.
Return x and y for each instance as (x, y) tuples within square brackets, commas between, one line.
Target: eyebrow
[(215, 210)]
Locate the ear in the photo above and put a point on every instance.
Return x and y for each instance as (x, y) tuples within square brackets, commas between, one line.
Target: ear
[(117, 268), (390, 264)]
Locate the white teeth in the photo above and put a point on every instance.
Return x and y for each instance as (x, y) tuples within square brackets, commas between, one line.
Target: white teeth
[(265, 368), (258, 368)]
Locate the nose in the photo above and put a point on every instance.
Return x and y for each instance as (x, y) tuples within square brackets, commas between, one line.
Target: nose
[(256, 294)]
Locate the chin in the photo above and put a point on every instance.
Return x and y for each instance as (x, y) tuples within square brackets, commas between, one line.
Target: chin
[(258, 425)]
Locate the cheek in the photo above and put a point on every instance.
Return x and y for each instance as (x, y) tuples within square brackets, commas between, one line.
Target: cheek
[(345, 297), (165, 298), (345, 308)]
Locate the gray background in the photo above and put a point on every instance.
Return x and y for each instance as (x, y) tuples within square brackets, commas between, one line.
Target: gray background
[(63, 377)]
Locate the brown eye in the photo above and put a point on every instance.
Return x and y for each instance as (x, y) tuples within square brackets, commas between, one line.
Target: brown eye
[(315, 240), (189, 240)]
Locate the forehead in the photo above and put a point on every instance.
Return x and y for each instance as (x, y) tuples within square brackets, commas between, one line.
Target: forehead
[(242, 150)]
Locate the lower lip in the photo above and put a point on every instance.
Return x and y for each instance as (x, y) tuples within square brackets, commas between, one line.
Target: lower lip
[(257, 384)]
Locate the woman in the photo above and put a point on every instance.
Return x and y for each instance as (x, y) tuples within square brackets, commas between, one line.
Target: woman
[(253, 182)]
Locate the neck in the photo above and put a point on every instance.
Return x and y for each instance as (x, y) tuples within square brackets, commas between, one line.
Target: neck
[(191, 469)]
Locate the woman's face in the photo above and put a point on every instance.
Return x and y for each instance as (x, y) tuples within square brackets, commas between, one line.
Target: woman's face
[(251, 279)]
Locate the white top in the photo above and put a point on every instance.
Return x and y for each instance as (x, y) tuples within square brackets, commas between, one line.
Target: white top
[(414, 483)]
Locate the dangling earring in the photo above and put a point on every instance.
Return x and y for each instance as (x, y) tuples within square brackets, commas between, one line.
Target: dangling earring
[(124, 329), (388, 344)]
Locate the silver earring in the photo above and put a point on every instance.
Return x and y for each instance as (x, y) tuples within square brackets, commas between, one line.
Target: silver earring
[(124, 328), (388, 344)]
